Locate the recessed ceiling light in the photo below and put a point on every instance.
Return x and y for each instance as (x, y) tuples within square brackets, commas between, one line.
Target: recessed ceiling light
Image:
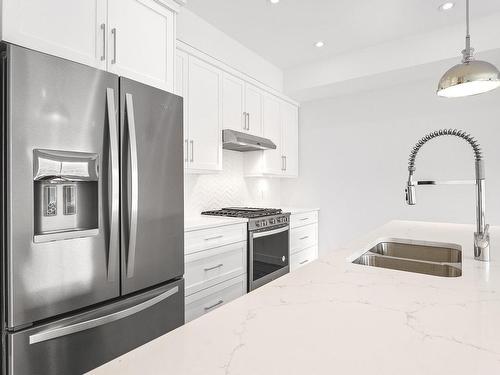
[(274, 1), (446, 6), (319, 44)]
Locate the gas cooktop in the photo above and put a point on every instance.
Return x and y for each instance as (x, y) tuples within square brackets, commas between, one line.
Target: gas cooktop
[(246, 212)]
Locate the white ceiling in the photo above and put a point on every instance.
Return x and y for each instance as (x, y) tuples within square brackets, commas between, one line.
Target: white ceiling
[(285, 33)]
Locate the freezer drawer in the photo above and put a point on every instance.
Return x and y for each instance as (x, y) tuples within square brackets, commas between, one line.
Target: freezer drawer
[(78, 344)]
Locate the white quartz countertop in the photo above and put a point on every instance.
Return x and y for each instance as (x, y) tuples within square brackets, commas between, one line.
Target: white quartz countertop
[(205, 221), (298, 210), (334, 317)]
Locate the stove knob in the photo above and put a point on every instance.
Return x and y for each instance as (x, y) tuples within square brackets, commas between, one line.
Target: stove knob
[(257, 224), (271, 221), (264, 223)]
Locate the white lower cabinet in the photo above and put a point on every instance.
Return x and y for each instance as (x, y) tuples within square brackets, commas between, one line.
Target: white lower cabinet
[(215, 267), (303, 239), (211, 298), (210, 267), (303, 257)]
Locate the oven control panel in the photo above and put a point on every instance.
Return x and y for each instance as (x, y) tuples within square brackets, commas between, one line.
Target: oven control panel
[(268, 221)]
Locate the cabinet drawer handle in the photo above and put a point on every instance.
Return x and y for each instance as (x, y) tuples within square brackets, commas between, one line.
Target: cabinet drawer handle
[(103, 28), (304, 261), (214, 237), (220, 302), (113, 32), (213, 268), (304, 219), (303, 238)]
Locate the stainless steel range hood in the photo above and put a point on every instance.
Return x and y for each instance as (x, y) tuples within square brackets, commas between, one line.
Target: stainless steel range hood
[(238, 141)]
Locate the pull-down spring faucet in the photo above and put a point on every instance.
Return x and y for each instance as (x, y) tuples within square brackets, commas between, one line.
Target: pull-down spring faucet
[(481, 236)]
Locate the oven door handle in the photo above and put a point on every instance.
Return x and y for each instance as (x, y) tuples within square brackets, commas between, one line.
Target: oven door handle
[(270, 232)]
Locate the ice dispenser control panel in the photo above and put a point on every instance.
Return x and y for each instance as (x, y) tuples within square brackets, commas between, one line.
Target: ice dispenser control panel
[(66, 189)]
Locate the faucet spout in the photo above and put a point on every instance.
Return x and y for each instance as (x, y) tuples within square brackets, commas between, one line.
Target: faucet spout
[(481, 235)]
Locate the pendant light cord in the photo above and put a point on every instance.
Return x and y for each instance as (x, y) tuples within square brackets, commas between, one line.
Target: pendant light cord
[(468, 52), (467, 13)]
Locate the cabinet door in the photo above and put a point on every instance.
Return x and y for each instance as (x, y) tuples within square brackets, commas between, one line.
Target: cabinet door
[(181, 87), (74, 30), (142, 42), (253, 106), (272, 159), (290, 139), (204, 116), (233, 105)]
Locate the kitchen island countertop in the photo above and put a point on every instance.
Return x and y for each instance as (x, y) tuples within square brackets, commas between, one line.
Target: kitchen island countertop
[(333, 316)]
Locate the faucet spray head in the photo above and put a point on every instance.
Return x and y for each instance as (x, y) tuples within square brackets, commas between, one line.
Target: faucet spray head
[(411, 193)]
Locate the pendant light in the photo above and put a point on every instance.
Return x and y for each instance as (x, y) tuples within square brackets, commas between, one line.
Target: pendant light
[(471, 77)]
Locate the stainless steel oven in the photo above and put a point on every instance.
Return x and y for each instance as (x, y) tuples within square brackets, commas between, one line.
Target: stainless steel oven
[(268, 250), (268, 242)]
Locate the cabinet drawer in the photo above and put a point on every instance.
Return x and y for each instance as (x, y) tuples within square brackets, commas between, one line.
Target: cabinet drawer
[(211, 298), (306, 218), (303, 257), (303, 237), (210, 267), (204, 239)]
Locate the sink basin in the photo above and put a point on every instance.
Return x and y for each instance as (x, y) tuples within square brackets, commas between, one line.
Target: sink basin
[(426, 253), (443, 261)]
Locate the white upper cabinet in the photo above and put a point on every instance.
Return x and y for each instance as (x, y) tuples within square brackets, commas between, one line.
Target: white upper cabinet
[(290, 139), (75, 30), (253, 109), (272, 159), (142, 42), (132, 38), (204, 107), (280, 125), (181, 88), (218, 97), (233, 103), (241, 105)]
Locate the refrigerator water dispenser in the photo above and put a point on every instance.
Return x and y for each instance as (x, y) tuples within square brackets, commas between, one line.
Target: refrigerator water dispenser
[(66, 195)]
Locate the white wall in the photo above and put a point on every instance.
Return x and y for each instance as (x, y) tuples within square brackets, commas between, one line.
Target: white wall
[(354, 150), (200, 34), (229, 188)]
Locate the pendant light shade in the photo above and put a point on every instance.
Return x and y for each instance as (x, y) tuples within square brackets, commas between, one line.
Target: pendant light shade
[(471, 77)]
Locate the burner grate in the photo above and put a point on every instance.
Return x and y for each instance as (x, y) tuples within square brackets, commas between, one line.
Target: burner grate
[(246, 212)]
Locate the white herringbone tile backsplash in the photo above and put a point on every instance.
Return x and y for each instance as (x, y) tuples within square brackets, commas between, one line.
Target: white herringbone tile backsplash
[(229, 188)]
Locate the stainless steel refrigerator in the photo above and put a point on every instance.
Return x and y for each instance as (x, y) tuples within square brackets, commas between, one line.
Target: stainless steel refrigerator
[(92, 214)]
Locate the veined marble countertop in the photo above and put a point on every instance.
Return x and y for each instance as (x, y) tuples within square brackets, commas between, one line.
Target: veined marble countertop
[(332, 316), (206, 221)]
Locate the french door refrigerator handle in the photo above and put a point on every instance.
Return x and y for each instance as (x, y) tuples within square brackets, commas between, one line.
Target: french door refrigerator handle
[(96, 322), (115, 185), (129, 108)]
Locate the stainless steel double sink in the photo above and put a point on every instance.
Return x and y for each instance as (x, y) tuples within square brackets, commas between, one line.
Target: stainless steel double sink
[(436, 260)]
